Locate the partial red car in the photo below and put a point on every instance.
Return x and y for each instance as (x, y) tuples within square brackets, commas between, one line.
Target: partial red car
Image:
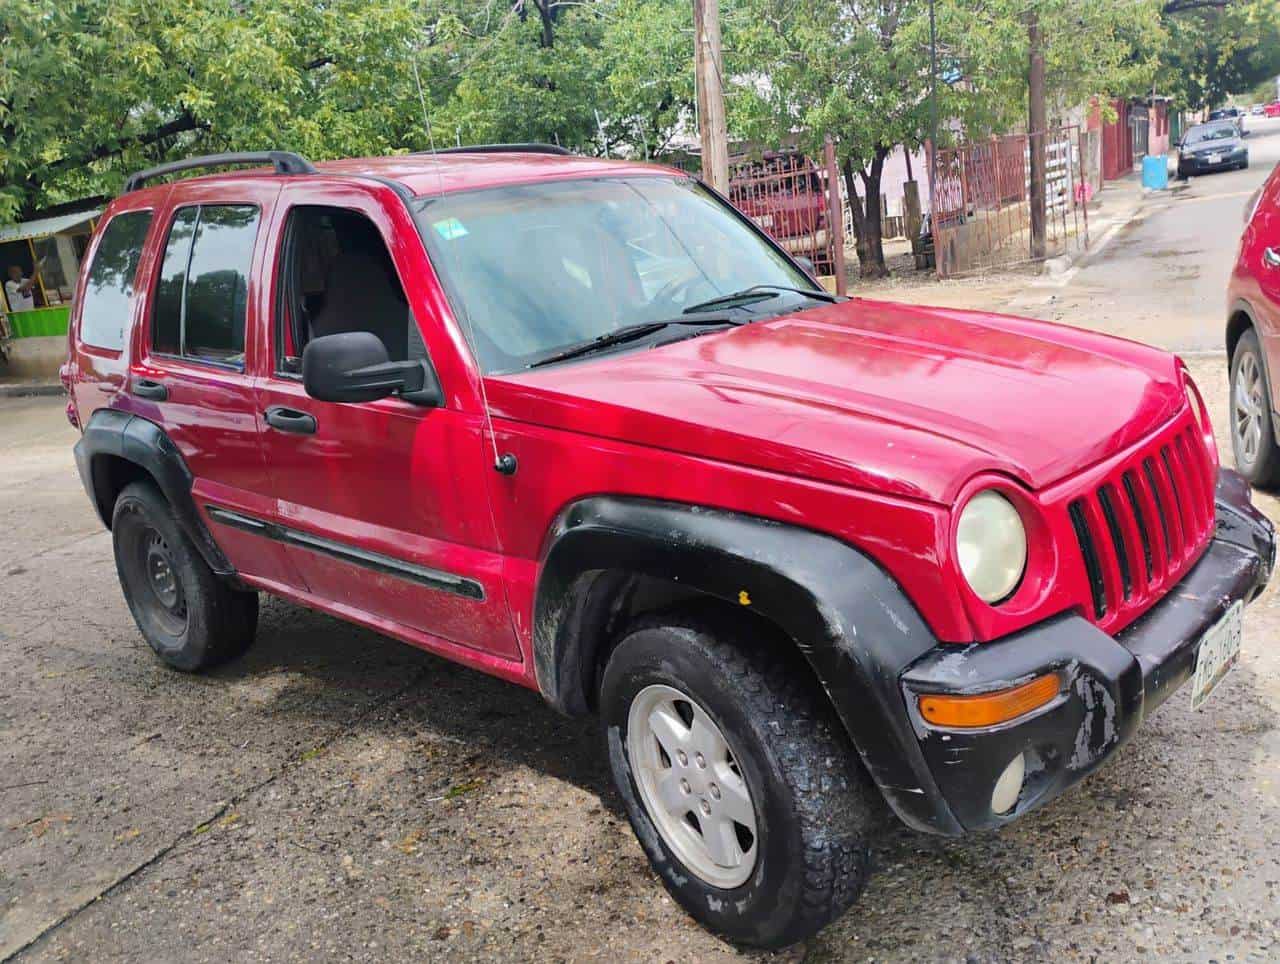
[(1273, 109), (1253, 338), (783, 193), (579, 424)]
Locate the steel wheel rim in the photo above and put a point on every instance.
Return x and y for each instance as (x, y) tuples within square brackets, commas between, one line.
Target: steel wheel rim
[(165, 595), (691, 786), (1246, 409)]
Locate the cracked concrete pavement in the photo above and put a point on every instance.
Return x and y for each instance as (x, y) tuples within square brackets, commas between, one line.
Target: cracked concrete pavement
[(337, 795)]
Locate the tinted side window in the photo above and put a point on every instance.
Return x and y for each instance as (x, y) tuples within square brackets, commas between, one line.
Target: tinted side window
[(204, 283), (166, 316), (108, 293)]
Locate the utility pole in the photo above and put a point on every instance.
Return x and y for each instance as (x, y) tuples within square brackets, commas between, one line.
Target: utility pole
[(708, 66), (1036, 122)]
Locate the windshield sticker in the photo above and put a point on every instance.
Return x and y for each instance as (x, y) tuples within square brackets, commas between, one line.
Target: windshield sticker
[(450, 228)]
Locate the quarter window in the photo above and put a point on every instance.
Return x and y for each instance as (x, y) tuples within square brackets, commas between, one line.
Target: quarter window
[(108, 292), (202, 295)]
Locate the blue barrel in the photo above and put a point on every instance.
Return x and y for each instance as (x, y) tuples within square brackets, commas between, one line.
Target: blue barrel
[(1155, 172)]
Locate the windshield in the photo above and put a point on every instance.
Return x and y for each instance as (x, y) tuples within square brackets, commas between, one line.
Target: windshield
[(1198, 135), (534, 268)]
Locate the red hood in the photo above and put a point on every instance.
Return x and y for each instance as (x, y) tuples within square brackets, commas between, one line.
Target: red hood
[(894, 398)]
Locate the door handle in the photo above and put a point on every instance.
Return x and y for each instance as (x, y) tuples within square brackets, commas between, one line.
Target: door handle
[(146, 388), (1271, 257), (291, 420)]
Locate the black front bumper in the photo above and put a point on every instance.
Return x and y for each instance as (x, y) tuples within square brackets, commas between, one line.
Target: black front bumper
[(1200, 165), (1112, 683)]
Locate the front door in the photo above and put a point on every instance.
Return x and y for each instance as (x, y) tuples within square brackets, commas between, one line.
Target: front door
[(381, 506)]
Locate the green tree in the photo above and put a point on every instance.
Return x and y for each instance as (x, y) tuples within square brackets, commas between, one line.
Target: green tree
[(91, 89), (859, 70), (1217, 51), (856, 71)]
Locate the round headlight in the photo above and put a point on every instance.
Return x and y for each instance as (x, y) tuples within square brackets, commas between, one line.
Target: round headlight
[(991, 545)]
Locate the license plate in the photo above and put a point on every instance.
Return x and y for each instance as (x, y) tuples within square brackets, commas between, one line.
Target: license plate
[(1215, 158), (1219, 650)]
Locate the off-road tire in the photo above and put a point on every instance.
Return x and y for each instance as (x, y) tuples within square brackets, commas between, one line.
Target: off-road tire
[(207, 621), (1264, 470), (814, 807)]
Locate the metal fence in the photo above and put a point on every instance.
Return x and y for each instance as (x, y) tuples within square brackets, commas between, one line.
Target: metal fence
[(796, 201), (981, 207)]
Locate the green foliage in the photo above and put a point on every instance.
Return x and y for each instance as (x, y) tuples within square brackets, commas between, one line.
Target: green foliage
[(859, 70), (1216, 52), (1090, 47), (93, 89)]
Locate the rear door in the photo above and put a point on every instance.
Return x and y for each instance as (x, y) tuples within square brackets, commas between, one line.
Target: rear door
[(382, 506), (193, 365)]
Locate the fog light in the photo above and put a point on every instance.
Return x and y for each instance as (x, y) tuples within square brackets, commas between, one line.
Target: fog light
[(1005, 795)]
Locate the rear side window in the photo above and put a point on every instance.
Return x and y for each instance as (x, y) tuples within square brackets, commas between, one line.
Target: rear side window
[(203, 291), (108, 292)]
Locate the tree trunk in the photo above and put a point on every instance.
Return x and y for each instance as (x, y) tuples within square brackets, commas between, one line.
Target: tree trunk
[(1036, 124), (546, 13), (870, 242), (855, 205)]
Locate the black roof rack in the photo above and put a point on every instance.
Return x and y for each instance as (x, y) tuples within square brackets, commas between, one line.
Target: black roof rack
[(503, 149), (284, 162)]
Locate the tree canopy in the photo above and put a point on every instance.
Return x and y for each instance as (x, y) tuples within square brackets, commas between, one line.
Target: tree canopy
[(1216, 51), (93, 89)]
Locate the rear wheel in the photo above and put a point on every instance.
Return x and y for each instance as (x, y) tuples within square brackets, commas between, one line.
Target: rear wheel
[(190, 617), (737, 779), (1253, 438)]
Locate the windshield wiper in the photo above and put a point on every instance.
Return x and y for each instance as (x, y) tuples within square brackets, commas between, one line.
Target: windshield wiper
[(761, 292), (628, 333)]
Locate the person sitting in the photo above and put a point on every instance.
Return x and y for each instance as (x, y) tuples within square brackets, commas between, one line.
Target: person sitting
[(17, 290)]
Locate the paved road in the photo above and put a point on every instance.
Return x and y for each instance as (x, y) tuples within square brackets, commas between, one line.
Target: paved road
[(1163, 278), (335, 795)]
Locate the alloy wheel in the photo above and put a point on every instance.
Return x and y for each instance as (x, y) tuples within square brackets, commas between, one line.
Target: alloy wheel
[(691, 786), (1248, 398)]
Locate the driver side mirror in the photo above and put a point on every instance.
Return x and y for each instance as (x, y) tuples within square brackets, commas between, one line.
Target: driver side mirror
[(808, 267), (353, 366)]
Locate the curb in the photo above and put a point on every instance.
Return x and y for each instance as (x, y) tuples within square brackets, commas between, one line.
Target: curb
[(31, 389)]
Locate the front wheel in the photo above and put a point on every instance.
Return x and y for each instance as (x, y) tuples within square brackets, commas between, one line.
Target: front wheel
[(1253, 440), (737, 779)]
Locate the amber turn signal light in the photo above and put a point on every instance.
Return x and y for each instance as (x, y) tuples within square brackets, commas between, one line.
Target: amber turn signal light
[(988, 709)]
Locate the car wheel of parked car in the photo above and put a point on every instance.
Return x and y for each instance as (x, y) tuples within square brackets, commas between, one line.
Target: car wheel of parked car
[(736, 777), (1252, 438), (190, 617)]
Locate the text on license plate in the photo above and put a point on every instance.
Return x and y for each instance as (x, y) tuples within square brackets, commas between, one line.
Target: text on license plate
[(1219, 650), (1215, 158)]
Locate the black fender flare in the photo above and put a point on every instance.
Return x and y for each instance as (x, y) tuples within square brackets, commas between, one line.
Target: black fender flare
[(847, 616), (120, 435)]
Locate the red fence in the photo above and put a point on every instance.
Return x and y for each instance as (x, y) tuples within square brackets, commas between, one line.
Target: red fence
[(981, 209), (795, 201)]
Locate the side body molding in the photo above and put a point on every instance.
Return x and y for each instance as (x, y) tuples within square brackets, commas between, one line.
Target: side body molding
[(851, 621), (110, 435)]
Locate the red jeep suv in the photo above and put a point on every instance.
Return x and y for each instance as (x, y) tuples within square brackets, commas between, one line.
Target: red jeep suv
[(581, 425)]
